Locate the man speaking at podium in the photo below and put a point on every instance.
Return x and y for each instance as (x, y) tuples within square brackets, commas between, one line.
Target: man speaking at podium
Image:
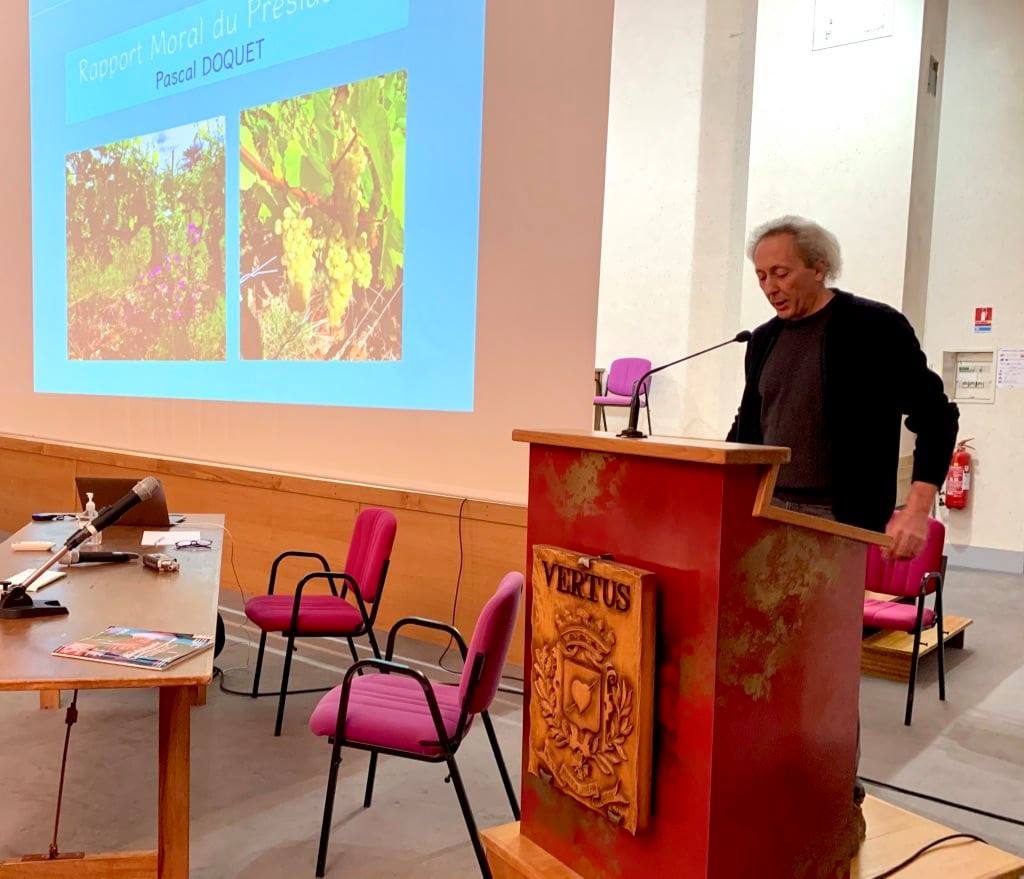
[(830, 376)]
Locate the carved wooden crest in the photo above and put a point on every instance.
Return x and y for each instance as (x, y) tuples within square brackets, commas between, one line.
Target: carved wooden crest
[(591, 709)]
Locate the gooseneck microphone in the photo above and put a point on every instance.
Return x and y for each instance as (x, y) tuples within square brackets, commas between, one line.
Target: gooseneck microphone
[(143, 490), (15, 602), (631, 431)]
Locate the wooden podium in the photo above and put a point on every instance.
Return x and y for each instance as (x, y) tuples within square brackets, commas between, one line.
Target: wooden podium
[(755, 668)]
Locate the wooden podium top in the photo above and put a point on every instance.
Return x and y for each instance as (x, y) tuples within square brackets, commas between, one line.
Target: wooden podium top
[(701, 451)]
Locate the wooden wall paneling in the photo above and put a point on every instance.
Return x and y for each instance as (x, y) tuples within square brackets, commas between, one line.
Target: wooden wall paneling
[(32, 483), (267, 513)]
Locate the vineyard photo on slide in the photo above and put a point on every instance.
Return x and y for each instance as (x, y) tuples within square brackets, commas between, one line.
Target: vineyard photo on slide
[(145, 247), (322, 218)]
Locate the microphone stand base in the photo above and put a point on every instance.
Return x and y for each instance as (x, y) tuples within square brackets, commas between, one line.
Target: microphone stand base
[(16, 604), (632, 433)]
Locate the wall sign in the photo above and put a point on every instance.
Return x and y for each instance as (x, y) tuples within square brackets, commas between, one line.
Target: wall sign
[(841, 22), (983, 319), (1010, 368)]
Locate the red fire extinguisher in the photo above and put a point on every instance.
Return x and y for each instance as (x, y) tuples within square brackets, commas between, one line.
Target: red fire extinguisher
[(958, 479)]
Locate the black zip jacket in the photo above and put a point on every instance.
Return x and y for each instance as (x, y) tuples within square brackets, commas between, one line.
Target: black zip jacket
[(873, 373)]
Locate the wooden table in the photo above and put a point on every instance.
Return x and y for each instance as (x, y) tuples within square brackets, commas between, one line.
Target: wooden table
[(98, 596)]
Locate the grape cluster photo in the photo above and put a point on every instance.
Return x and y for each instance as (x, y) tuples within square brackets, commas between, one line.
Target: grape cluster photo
[(322, 180), (321, 232), (145, 247)]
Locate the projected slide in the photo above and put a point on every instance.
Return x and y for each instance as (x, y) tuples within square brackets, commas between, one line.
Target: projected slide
[(257, 200), (145, 247), (322, 241)]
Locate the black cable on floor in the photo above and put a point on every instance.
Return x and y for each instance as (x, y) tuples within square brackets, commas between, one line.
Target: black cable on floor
[(248, 693), (951, 803), (455, 603), (455, 600), (440, 660), (892, 871), (225, 689), (218, 672)]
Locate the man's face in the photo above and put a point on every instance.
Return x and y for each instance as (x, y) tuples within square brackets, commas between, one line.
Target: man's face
[(792, 288)]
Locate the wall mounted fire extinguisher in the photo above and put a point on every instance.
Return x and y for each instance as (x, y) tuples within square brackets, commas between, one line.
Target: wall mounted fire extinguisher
[(958, 479)]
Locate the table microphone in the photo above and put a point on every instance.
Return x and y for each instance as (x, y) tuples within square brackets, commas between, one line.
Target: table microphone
[(83, 556), (631, 431)]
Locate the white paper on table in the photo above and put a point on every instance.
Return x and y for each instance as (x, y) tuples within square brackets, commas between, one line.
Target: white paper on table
[(168, 538), (45, 580)]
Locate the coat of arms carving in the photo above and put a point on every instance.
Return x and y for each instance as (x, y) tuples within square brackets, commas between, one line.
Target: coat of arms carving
[(591, 709)]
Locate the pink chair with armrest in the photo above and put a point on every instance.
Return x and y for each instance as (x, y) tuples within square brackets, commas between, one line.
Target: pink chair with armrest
[(623, 375), (400, 712), (333, 615), (917, 578)]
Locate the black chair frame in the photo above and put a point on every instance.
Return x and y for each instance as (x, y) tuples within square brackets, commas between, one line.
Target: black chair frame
[(292, 633), (448, 744), (937, 576), (644, 395)]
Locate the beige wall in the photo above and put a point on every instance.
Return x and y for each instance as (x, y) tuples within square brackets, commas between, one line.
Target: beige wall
[(545, 112), (925, 165), (977, 235), (675, 199), (832, 138), (926, 195), (653, 143)]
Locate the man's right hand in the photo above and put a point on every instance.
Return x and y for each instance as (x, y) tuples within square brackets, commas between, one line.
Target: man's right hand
[(908, 528), (909, 532)]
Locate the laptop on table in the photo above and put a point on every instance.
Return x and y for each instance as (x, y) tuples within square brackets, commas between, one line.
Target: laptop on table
[(108, 489)]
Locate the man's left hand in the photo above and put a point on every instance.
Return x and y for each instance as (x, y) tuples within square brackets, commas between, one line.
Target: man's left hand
[(909, 531)]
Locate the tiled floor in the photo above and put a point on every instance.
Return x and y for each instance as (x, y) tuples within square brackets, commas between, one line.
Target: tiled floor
[(969, 749), (257, 800)]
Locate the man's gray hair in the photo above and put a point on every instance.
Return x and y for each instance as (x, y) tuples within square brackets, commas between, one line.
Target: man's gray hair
[(815, 243)]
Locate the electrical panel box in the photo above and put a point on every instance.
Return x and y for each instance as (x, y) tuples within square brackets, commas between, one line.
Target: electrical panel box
[(969, 376)]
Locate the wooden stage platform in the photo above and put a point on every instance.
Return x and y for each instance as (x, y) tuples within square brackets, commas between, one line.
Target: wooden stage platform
[(887, 654), (893, 835)]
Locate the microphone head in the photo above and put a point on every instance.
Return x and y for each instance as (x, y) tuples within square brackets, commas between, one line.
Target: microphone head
[(743, 336), (146, 488)]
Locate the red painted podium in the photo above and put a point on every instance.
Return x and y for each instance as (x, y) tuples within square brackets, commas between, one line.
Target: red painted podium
[(756, 665)]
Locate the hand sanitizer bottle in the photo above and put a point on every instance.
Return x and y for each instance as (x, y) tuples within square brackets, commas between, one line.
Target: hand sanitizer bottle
[(90, 514)]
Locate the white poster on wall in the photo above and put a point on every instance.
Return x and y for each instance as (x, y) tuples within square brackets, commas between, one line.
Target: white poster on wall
[(841, 22), (1010, 368)]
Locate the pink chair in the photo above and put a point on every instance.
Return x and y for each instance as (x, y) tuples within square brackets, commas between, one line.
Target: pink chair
[(401, 712), (623, 375), (916, 578), (327, 616)]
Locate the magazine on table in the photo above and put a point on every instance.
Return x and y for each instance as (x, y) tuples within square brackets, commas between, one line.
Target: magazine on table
[(141, 648)]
